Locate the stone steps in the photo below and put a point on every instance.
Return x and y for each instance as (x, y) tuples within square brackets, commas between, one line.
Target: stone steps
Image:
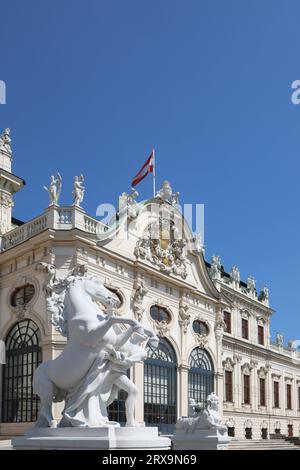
[(263, 444)]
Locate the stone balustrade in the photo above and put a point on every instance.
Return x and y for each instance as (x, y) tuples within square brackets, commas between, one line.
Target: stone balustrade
[(57, 218)]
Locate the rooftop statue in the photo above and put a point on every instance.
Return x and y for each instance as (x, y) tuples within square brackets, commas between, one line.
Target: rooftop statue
[(100, 348), (167, 195), (5, 141), (54, 189), (78, 190)]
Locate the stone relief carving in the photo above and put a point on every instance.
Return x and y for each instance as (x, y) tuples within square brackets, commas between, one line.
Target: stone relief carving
[(262, 372), (160, 245), (184, 316), (5, 142), (162, 328), (228, 364), (78, 190), (54, 189), (139, 292), (247, 368)]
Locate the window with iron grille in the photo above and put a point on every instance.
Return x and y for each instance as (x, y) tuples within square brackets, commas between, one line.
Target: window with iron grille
[(23, 355), (298, 398), (248, 433), (264, 433), (262, 392), (247, 389), (160, 387), (231, 431), (245, 333), (201, 376), (227, 321), (228, 385)]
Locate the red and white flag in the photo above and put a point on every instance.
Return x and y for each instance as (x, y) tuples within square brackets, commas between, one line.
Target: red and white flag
[(147, 168)]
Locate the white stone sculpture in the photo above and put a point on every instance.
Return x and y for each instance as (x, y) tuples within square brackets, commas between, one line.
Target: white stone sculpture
[(166, 194), (5, 142), (139, 292), (128, 204), (251, 285), (78, 190), (235, 276), (279, 339), (198, 243), (54, 189), (184, 317), (92, 367), (264, 296), (215, 268), (203, 429)]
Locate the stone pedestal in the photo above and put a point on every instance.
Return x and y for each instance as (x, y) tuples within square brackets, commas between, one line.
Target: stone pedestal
[(201, 439), (105, 438)]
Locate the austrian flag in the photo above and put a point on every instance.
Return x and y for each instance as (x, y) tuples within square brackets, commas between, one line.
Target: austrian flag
[(147, 168)]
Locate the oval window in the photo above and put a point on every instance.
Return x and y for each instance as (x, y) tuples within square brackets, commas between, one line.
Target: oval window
[(22, 295), (200, 328), (160, 314)]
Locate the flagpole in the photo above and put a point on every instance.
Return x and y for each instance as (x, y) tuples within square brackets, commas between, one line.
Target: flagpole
[(154, 171)]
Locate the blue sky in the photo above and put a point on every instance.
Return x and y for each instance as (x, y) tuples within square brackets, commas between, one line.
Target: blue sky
[(93, 85)]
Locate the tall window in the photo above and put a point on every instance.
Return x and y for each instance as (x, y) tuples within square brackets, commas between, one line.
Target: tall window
[(160, 387), (228, 385), (262, 392), (260, 334), (227, 321), (276, 394), (23, 355), (246, 389), (201, 376), (298, 398), (245, 333), (289, 396)]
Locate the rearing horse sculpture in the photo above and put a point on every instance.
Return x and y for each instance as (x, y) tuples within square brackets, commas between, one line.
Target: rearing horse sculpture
[(92, 367)]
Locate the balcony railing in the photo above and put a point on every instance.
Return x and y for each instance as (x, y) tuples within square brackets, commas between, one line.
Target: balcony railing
[(57, 218)]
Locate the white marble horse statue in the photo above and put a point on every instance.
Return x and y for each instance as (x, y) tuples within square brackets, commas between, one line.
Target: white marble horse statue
[(100, 348)]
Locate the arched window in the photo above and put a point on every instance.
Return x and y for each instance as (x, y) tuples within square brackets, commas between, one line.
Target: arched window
[(23, 355), (160, 314), (201, 376), (160, 387)]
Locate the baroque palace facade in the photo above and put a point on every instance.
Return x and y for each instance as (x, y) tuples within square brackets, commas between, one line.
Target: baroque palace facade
[(214, 329)]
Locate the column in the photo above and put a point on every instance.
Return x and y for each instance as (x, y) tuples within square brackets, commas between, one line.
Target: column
[(254, 389), (138, 379), (183, 389), (237, 387)]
